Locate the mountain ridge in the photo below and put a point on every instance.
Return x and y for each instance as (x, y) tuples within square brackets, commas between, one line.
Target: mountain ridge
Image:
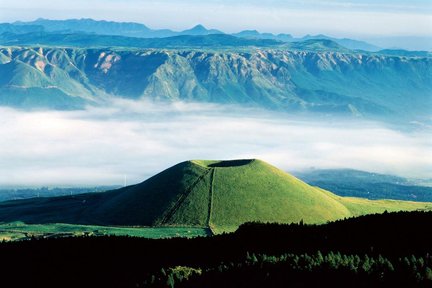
[(292, 80), (82, 40), (132, 29)]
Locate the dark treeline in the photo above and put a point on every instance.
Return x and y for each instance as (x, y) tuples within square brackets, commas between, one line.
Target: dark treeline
[(127, 262), (292, 270)]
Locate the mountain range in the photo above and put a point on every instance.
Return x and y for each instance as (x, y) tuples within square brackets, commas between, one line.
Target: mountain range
[(66, 64), (311, 76), (131, 29), (91, 40)]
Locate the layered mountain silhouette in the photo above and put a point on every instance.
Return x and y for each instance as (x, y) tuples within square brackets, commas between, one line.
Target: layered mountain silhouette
[(219, 195), (131, 29)]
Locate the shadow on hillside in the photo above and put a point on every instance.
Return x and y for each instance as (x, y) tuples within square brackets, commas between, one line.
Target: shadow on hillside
[(231, 163)]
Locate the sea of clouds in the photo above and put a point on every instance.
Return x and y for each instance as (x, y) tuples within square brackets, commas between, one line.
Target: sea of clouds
[(102, 146)]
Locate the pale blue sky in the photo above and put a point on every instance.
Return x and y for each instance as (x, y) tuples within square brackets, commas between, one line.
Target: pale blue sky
[(335, 17)]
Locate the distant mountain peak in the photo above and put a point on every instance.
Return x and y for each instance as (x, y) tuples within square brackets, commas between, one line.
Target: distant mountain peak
[(199, 29), (250, 32)]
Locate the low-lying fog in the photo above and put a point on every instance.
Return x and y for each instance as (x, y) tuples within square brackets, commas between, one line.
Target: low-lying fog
[(100, 146)]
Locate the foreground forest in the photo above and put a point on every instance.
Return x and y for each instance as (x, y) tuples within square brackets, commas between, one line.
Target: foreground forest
[(385, 250)]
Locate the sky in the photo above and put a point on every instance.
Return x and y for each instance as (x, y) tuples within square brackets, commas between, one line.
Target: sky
[(340, 18), (100, 146)]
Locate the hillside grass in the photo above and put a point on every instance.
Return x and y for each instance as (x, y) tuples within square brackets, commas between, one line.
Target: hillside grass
[(260, 192)]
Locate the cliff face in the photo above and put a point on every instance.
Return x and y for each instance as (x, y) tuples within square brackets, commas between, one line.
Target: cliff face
[(330, 82)]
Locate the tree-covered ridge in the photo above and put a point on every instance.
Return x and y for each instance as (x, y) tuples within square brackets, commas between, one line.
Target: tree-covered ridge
[(302, 270)]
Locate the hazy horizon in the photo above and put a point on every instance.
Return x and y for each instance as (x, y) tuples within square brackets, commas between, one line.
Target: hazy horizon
[(338, 18)]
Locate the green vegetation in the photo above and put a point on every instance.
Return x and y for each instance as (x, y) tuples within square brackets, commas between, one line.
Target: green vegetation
[(257, 191), (220, 195), (20, 231), (263, 270), (380, 250)]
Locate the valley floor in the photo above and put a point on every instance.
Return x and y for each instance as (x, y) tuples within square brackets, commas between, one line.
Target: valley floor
[(21, 231)]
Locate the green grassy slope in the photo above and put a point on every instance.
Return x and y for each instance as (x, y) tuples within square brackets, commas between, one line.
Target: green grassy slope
[(220, 195), (260, 192)]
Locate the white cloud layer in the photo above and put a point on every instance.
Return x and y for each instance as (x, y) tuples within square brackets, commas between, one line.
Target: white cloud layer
[(99, 146)]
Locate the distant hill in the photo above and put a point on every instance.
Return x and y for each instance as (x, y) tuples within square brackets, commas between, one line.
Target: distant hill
[(91, 40), (131, 29), (20, 29), (200, 30), (318, 45), (100, 27), (254, 34), (354, 183), (219, 195), (345, 42)]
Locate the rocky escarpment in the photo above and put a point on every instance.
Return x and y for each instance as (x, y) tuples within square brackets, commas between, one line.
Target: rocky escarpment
[(282, 79)]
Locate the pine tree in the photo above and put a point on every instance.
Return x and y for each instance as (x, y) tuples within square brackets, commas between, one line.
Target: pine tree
[(366, 266), (170, 281), (320, 258)]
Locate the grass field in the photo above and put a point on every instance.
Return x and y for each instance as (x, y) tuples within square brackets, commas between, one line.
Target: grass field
[(272, 195), (21, 231)]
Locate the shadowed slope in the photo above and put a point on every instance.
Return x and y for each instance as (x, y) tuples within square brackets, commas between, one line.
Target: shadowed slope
[(151, 202)]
